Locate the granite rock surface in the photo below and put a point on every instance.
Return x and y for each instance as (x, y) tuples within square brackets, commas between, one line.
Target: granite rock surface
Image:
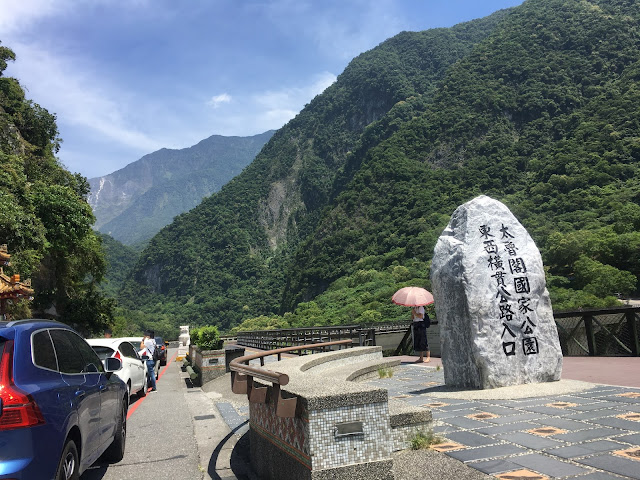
[(496, 321)]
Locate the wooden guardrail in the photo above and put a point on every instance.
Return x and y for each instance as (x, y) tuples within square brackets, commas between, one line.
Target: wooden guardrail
[(242, 375)]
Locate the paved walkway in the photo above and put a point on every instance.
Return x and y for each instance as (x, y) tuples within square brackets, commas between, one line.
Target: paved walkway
[(591, 434), (160, 440)]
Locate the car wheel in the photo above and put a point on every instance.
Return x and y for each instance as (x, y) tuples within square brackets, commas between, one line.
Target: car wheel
[(115, 452), (143, 391), (68, 466)]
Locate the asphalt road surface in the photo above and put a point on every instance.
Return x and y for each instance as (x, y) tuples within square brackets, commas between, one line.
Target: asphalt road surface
[(160, 437)]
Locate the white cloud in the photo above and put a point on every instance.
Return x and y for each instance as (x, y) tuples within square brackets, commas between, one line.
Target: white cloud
[(17, 15), (294, 98), (219, 99), (268, 110), (104, 121), (347, 39), (272, 109), (339, 29), (77, 98)]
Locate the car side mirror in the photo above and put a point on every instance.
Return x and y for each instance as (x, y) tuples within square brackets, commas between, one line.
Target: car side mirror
[(112, 364)]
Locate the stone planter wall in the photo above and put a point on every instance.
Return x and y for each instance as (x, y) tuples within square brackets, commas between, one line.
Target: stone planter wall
[(209, 364), (311, 446)]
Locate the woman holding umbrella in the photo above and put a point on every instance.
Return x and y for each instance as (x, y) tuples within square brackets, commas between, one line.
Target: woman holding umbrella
[(417, 298)]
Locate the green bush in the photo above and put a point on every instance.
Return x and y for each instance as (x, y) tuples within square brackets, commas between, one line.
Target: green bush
[(207, 338)]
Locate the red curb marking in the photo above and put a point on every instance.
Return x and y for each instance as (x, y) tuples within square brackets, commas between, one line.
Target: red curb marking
[(134, 407)]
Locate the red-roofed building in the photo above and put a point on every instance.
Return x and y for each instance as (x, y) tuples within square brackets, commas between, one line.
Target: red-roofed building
[(11, 288)]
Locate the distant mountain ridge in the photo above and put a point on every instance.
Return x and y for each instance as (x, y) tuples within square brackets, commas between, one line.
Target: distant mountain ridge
[(135, 202)]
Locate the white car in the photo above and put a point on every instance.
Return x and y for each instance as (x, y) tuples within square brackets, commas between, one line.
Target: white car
[(136, 341), (134, 370)]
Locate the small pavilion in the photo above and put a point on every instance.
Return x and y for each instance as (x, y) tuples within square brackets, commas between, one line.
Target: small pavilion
[(11, 288)]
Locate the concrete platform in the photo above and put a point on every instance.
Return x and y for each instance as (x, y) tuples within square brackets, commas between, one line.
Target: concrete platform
[(582, 431)]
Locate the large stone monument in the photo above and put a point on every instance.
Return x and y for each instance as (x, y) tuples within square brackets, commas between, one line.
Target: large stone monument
[(496, 322)]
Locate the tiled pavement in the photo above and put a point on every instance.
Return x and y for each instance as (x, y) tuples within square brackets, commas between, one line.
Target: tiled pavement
[(237, 416), (590, 435)]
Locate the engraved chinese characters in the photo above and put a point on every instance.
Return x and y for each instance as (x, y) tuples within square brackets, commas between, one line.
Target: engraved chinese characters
[(514, 277), (496, 322)]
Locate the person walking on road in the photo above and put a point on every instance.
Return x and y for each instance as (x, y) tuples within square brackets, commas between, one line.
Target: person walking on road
[(148, 347)]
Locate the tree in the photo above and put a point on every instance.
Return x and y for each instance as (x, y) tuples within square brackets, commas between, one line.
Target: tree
[(5, 54), (44, 215)]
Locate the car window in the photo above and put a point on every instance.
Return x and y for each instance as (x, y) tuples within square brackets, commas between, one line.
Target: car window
[(43, 353), (127, 350), (69, 358), (92, 363), (103, 352)]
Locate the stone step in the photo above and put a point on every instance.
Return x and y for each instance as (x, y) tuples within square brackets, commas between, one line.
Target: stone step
[(330, 360), (358, 371), (407, 421), (401, 414)]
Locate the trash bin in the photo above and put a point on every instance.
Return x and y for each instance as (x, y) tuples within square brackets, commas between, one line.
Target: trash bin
[(232, 352)]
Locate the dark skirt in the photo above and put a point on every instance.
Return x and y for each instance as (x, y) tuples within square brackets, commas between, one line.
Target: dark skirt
[(420, 337)]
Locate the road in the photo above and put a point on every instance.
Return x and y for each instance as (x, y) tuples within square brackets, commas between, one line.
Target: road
[(160, 435)]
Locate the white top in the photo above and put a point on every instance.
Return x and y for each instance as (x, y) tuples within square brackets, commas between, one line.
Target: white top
[(149, 348), (417, 313)]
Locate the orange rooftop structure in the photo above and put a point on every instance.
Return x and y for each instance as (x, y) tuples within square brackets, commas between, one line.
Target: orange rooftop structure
[(11, 288)]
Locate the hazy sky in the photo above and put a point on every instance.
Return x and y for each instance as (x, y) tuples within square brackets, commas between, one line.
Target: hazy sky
[(128, 77)]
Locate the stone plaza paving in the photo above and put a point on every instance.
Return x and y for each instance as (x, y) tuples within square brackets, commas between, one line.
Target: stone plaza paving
[(593, 434)]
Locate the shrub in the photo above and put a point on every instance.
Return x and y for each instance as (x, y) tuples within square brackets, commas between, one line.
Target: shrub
[(207, 338)]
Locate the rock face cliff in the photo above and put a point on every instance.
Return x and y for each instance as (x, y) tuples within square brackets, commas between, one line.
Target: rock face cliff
[(134, 203)]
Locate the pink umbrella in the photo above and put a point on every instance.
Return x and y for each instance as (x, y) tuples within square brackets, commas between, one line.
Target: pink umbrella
[(412, 297)]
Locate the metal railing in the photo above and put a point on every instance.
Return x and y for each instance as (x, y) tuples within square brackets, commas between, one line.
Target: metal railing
[(242, 375), (607, 332), (604, 331), (363, 335)]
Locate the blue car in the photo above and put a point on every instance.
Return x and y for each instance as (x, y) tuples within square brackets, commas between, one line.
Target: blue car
[(60, 407)]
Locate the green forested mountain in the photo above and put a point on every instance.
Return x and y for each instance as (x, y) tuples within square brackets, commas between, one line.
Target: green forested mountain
[(44, 216), (135, 202), (119, 259), (536, 106), (225, 260)]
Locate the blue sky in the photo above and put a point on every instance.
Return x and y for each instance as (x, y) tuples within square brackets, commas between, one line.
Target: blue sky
[(128, 77)]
